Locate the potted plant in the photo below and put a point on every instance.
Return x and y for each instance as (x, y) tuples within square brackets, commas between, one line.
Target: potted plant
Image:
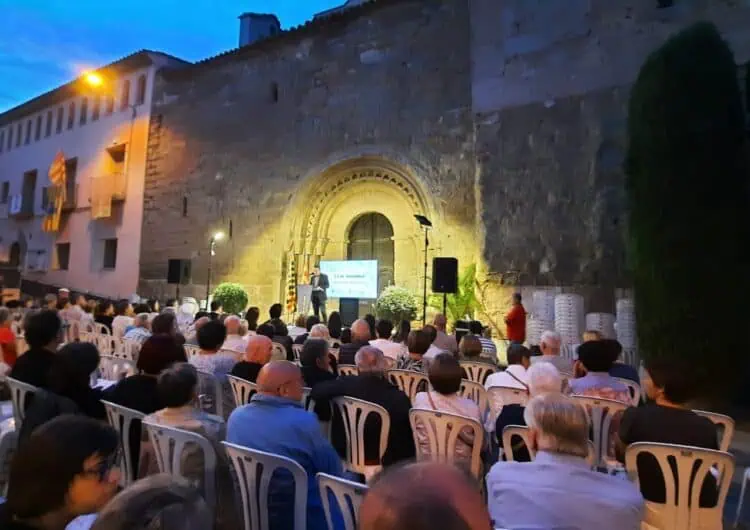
[(396, 304), (232, 297)]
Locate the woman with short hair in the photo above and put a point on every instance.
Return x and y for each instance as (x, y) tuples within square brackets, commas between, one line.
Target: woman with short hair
[(417, 343)]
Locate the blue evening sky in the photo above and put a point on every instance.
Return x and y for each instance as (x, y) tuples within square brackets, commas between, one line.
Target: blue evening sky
[(45, 43)]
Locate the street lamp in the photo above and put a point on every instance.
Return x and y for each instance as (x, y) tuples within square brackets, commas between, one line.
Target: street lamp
[(218, 236), (93, 79), (426, 224)]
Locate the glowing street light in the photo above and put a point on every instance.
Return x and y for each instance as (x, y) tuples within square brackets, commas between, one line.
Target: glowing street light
[(93, 79), (217, 236)]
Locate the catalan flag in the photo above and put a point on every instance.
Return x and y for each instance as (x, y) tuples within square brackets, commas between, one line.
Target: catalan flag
[(55, 194)]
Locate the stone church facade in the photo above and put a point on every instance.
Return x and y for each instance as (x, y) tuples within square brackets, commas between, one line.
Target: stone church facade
[(502, 122)]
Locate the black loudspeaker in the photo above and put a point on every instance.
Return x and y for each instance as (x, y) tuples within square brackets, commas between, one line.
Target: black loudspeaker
[(444, 275), (178, 271), (349, 310)]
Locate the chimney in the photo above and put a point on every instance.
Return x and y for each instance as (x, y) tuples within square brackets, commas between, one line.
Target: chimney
[(257, 26)]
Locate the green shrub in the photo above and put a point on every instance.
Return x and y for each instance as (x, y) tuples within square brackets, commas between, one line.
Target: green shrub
[(232, 297), (396, 304)]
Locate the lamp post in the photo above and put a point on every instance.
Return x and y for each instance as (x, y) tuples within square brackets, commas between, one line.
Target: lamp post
[(426, 224), (218, 236)]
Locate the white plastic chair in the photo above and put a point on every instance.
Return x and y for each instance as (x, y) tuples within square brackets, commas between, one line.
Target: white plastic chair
[(210, 393), (442, 430), (476, 393), (126, 349), (354, 413), (19, 393), (348, 369), (278, 352), (348, 494), (8, 446), (476, 371), (169, 445), (242, 390), (499, 396), (101, 329), (103, 342), (692, 466), (114, 369), (409, 381), (254, 471), (334, 351), (634, 388), (121, 419), (523, 432), (600, 413), (724, 421), (297, 351), (73, 331)]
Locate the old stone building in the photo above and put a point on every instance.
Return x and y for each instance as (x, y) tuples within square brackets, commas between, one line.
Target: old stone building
[(502, 122)]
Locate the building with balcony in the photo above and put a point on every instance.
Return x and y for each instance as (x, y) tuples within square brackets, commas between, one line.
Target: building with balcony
[(99, 123)]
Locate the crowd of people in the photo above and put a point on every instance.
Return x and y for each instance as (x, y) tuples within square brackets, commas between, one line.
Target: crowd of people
[(65, 438)]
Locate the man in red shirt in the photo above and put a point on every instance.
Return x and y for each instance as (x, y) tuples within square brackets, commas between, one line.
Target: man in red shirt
[(515, 321)]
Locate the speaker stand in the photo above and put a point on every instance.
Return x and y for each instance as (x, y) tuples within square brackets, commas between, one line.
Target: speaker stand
[(445, 301)]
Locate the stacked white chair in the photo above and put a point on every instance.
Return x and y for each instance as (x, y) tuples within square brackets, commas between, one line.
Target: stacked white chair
[(626, 330), (409, 381), (604, 323), (121, 419), (354, 413), (254, 471), (569, 317), (543, 306), (242, 390), (535, 328), (348, 495)]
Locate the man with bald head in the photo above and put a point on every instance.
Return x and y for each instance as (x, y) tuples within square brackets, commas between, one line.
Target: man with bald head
[(424, 496), (258, 353), (443, 341), (371, 385), (360, 338), (275, 422), (234, 340)]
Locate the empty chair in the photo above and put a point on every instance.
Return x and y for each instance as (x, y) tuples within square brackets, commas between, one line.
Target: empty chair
[(727, 427), (348, 497), (19, 393), (684, 470), (242, 390), (354, 414), (348, 369), (634, 388), (409, 381), (169, 445), (477, 371), (254, 471), (121, 419), (600, 413), (449, 438)]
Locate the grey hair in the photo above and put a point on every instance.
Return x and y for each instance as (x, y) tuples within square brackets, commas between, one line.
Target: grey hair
[(142, 319), (561, 424), (360, 330), (549, 337), (4, 314), (369, 359), (543, 378), (320, 331), (158, 502)]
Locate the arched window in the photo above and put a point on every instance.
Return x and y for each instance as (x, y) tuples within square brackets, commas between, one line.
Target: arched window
[(371, 237)]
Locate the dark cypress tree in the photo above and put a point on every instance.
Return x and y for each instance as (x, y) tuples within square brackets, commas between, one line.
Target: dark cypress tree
[(689, 201)]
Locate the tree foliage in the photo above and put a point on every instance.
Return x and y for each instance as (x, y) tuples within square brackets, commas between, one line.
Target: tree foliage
[(687, 185), (396, 304), (232, 297)]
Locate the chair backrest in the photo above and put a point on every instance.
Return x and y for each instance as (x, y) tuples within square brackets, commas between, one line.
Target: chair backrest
[(104, 343), (476, 393), (516, 430), (499, 396), (477, 371), (443, 430), (297, 351), (278, 352), (210, 393), (348, 495), (634, 388), (19, 393), (73, 330), (600, 412), (409, 381), (348, 369), (684, 470), (254, 471), (169, 445), (126, 349), (8, 447), (242, 390), (192, 350), (354, 413), (724, 421), (307, 403), (334, 350), (114, 369), (121, 419), (101, 329)]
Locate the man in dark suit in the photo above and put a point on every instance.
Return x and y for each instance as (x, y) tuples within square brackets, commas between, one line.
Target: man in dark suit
[(371, 385), (360, 338), (319, 282)]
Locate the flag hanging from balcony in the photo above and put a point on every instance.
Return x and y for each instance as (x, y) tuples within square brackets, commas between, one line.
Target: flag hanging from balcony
[(55, 194), (291, 283)]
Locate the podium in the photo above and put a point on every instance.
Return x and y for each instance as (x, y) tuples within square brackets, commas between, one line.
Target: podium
[(304, 299)]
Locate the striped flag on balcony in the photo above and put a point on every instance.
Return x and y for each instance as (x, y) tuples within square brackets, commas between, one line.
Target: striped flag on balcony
[(291, 283), (55, 194)]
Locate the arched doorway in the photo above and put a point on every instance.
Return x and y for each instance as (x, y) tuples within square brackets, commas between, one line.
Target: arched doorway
[(371, 237)]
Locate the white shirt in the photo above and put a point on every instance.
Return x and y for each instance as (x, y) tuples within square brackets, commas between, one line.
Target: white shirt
[(433, 351), (119, 324), (504, 379), (391, 349), (295, 331), (235, 342), (561, 363)]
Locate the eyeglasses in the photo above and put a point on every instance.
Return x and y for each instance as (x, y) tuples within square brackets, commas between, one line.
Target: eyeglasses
[(103, 468)]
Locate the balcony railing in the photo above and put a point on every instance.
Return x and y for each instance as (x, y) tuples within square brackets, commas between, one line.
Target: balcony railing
[(119, 185)]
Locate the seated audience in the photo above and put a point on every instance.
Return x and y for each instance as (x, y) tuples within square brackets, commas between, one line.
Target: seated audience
[(123, 318), (667, 418), (596, 358), (470, 349), (278, 325), (211, 359), (542, 378), (445, 380), (346, 336), (164, 324), (234, 341), (424, 496), (192, 337), (43, 334), (370, 319), (514, 376), (418, 343), (66, 469), (443, 341), (158, 502), (489, 349), (320, 331), (360, 332), (299, 326), (404, 328), (434, 349), (391, 349), (140, 330), (69, 388), (316, 363), (334, 325), (309, 323), (252, 316), (288, 430), (50, 302), (371, 385), (7, 338), (257, 355), (558, 489), (550, 344), (178, 390)]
